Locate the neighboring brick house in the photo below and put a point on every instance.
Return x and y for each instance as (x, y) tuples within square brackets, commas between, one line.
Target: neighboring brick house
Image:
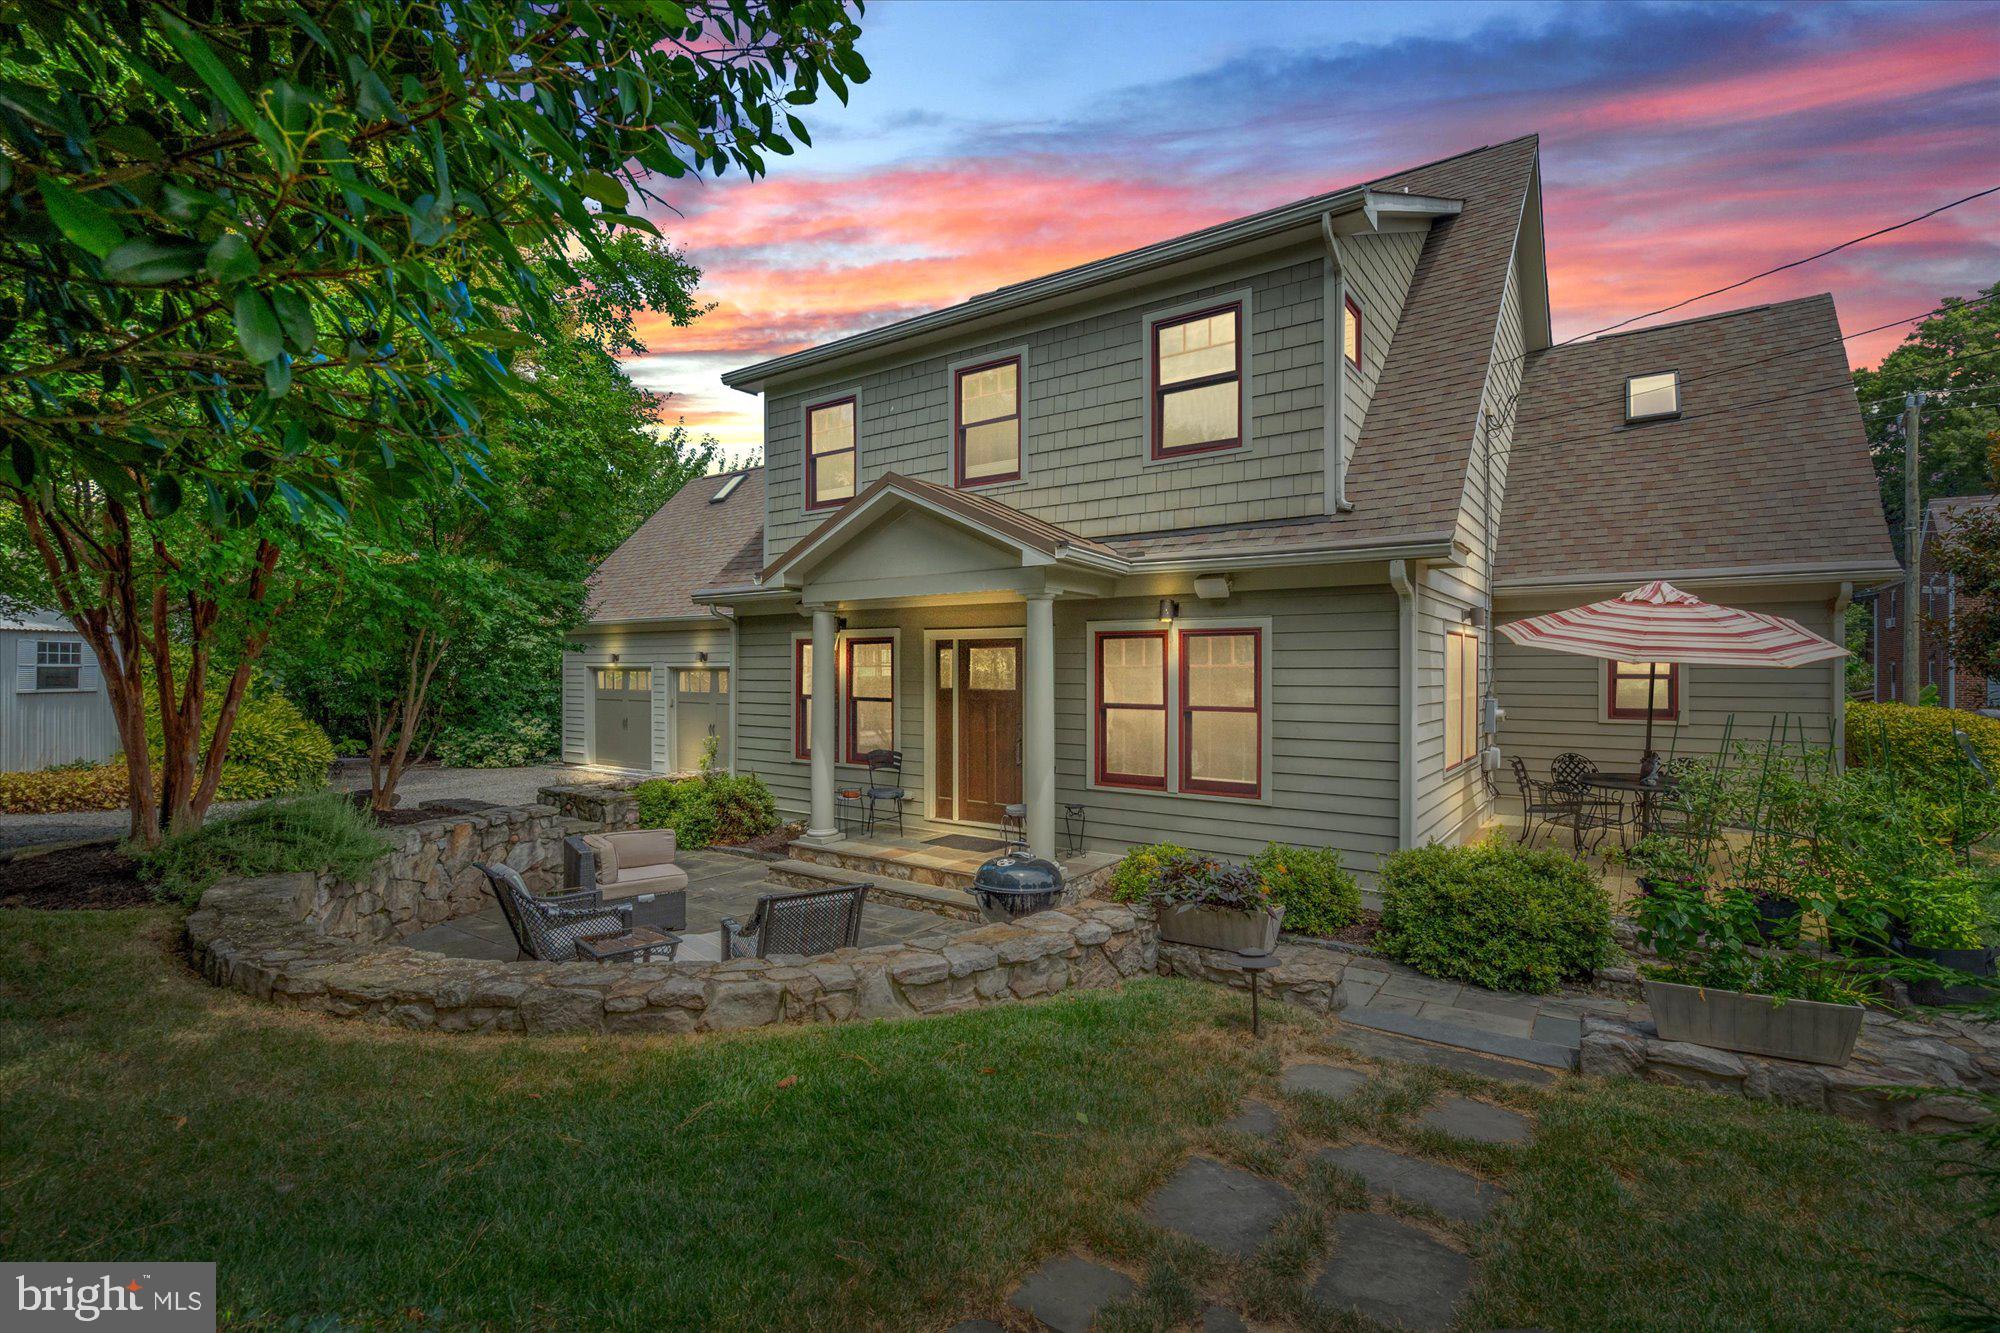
[(1957, 686), (1208, 541)]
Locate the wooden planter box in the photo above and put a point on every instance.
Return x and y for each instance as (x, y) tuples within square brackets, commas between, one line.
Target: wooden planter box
[(1821, 1034), (1217, 928)]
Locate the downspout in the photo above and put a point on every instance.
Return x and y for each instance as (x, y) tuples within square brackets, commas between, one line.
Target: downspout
[(1333, 324), (1406, 577), (1840, 603), (735, 676)]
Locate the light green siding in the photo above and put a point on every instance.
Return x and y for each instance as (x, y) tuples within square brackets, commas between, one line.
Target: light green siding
[(1332, 771)]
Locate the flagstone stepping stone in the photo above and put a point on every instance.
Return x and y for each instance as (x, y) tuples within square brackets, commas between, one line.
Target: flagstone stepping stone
[(1442, 1189), (978, 1326), (1220, 1319), (1392, 1273), (1221, 1207), (1323, 1080), (1256, 1118), (1463, 1118), (1067, 1292)]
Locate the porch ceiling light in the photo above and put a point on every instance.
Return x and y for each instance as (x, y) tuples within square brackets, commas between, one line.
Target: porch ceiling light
[(1169, 608)]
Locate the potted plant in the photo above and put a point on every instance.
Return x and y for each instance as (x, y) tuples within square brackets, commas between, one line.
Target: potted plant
[(1715, 984), (1944, 919), (1213, 905)]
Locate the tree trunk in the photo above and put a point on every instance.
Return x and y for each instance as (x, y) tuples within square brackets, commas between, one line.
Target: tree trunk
[(386, 764)]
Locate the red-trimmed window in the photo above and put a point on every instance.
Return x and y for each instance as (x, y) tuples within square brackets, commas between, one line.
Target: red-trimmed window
[(1350, 333), (802, 698), (870, 697), (1626, 684), (986, 403), (831, 457), (1198, 382), (1130, 677), (1222, 722)]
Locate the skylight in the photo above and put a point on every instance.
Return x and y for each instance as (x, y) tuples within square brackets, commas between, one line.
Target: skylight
[(1650, 397), (728, 489)]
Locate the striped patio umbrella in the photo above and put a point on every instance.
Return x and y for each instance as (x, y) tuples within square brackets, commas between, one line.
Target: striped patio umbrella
[(1660, 623)]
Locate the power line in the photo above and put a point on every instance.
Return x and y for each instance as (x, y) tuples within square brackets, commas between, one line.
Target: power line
[(1754, 277)]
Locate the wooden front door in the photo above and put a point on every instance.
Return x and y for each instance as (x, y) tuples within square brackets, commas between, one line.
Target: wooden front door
[(988, 742)]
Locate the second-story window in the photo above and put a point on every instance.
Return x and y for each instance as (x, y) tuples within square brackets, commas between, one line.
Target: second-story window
[(830, 454), (1197, 382), (988, 422), (1350, 333)]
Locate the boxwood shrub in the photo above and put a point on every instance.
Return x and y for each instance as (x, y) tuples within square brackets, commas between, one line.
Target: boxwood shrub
[(1318, 894), (1496, 915), (715, 807), (1134, 875)]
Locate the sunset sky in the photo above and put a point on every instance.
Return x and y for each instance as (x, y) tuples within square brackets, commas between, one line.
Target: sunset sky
[(1683, 147)]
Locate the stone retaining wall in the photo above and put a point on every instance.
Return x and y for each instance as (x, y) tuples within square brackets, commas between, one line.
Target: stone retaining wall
[(612, 806), (1892, 1054), (430, 876), (263, 937)]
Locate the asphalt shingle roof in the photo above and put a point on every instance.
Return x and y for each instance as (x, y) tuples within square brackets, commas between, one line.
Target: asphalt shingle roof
[(687, 545), (1766, 465)]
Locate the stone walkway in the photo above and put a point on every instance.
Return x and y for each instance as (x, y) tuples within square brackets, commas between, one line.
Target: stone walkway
[(1401, 1260), (719, 884), (1542, 1029)]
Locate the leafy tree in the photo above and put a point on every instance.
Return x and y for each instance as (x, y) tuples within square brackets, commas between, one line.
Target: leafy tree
[(458, 609), (1968, 550), (266, 265), (1956, 350)]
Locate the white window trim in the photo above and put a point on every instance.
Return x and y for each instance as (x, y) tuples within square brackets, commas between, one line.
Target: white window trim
[(1246, 434), (1266, 729), (897, 666), (807, 402), (1631, 420), (932, 638), (1020, 355), (1604, 717), (85, 664)]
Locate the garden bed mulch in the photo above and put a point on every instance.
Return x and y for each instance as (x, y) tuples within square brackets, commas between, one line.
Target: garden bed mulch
[(1361, 930), (76, 878)]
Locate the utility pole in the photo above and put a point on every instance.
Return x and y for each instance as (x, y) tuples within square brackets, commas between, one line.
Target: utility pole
[(1913, 541)]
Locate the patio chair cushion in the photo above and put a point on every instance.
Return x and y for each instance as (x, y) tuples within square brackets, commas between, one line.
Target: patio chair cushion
[(639, 849), (647, 879), (606, 853)]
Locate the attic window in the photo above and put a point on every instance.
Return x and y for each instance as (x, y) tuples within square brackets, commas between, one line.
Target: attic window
[(728, 489), (1652, 397)]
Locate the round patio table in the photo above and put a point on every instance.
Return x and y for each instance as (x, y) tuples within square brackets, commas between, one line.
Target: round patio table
[(1648, 792)]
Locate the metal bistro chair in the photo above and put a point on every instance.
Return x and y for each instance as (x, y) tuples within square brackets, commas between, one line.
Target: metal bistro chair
[(1540, 800), (547, 928), (1570, 775), (815, 922), (877, 791)]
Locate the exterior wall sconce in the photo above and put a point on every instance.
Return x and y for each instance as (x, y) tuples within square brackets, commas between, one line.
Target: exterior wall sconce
[(701, 658), (614, 659), (1169, 608)]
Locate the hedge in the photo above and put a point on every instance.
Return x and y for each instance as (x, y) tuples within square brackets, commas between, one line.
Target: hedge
[(61, 791), (1916, 741), (1496, 914)]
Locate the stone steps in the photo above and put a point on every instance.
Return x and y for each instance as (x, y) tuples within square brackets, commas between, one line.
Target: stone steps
[(801, 875), (937, 870)]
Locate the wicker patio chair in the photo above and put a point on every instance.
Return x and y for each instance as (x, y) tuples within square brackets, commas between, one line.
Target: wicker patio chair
[(1540, 801), (815, 922), (547, 928), (1593, 811), (881, 764)]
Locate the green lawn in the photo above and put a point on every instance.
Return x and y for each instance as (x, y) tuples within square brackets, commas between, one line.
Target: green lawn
[(898, 1175)]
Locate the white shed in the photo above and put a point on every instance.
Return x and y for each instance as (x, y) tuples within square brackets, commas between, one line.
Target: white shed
[(53, 709)]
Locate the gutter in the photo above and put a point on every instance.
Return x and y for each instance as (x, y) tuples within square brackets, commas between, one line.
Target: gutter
[(1333, 332), (1832, 571)]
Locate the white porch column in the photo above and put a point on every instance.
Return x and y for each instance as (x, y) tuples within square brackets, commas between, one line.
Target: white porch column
[(1038, 724), (825, 713)]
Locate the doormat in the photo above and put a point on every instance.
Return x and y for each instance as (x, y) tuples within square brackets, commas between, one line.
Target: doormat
[(965, 842)]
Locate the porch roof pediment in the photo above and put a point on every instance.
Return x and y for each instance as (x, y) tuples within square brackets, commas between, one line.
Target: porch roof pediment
[(1015, 540)]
